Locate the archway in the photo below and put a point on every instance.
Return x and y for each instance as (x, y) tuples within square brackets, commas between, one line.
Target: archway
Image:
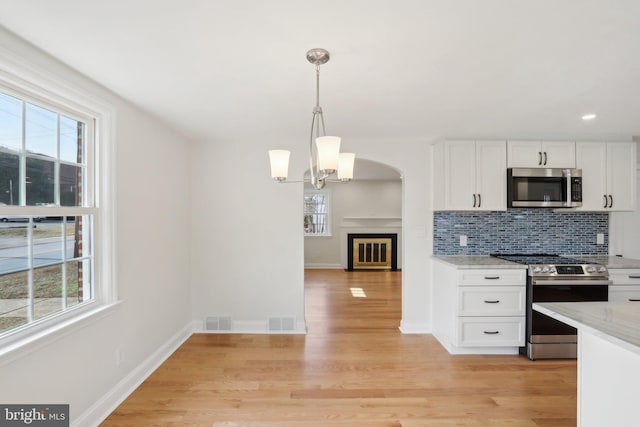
[(371, 204)]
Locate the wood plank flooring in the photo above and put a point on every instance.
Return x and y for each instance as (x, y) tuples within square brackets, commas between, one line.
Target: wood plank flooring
[(353, 368)]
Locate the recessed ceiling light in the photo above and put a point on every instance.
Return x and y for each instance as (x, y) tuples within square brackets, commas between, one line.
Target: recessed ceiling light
[(588, 117)]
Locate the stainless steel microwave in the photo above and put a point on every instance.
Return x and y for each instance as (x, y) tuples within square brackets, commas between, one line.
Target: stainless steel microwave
[(544, 188)]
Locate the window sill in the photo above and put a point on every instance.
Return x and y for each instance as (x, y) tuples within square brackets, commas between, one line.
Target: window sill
[(21, 344)]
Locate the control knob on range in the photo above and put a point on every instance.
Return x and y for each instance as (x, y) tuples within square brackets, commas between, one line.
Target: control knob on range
[(591, 269), (602, 269), (545, 269)]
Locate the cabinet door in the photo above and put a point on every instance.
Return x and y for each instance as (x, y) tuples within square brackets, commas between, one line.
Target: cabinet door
[(524, 154), (491, 175), (558, 154), (591, 157), (621, 175), (460, 175)]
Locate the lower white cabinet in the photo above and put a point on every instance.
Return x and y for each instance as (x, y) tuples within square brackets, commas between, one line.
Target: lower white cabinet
[(625, 284), (495, 331), (479, 311)]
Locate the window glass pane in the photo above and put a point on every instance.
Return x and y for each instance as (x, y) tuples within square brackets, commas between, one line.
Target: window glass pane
[(41, 128), (14, 300), (47, 290), (13, 244), (10, 122), (78, 236), (316, 213), (70, 178), (9, 179), (47, 243), (71, 133), (40, 182), (78, 282)]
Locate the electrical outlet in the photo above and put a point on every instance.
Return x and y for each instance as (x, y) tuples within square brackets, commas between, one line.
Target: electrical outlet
[(463, 240), (600, 239)]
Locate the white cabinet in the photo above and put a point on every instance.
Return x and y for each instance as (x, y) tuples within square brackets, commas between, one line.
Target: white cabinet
[(479, 311), (541, 154), (608, 175), (625, 285), (470, 175)]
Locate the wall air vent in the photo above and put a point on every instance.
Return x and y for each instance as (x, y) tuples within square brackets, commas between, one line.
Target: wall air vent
[(282, 324), (218, 324)]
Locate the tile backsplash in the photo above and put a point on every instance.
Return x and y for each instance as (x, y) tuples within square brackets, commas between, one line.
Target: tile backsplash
[(520, 231)]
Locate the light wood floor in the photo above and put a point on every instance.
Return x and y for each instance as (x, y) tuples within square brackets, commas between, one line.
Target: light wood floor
[(353, 368)]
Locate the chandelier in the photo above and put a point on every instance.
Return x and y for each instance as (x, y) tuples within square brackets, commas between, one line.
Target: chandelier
[(325, 158)]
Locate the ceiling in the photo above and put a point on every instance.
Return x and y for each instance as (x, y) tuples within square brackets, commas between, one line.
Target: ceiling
[(235, 70)]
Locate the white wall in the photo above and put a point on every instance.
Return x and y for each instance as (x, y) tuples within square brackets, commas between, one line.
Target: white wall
[(357, 207), (91, 368), (247, 244), (247, 254)]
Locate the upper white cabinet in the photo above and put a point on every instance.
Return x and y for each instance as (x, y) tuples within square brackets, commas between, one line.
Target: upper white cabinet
[(541, 154), (608, 175), (470, 175)]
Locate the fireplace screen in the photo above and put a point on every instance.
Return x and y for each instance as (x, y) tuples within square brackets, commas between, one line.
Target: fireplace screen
[(371, 253)]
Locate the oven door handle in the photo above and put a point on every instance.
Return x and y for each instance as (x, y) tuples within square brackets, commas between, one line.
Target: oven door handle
[(569, 282)]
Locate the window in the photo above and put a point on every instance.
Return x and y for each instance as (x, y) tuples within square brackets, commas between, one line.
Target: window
[(47, 210), (317, 213)]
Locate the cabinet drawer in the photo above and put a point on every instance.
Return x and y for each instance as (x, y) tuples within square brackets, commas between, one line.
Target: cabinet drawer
[(491, 301), (624, 276), (490, 331), (495, 277), (624, 293)]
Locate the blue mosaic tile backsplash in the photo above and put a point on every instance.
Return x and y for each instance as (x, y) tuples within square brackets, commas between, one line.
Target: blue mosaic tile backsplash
[(520, 231)]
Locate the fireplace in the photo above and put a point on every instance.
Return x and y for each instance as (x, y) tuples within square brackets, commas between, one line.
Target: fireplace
[(372, 251)]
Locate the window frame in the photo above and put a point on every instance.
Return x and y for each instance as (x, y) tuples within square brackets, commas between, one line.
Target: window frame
[(65, 97), (327, 193)]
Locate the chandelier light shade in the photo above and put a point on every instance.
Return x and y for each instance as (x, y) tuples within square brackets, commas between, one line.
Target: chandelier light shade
[(345, 166), (325, 159), (279, 164), (328, 153)]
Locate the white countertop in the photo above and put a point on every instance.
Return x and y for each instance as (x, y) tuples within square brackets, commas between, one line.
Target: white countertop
[(617, 322), (610, 261), (477, 261), (486, 261)]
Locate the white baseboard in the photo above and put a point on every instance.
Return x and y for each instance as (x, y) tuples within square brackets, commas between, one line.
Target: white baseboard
[(100, 410), (320, 266), (415, 327)]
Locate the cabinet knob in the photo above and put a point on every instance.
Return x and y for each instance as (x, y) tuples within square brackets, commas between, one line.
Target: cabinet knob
[(491, 277), (474, 200), (545, 158), (610, 201), (539, 158), (491, 332), (495, 301), (479, 200)]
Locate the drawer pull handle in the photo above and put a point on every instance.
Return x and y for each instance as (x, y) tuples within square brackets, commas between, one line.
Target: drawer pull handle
[(491, 277), (634, 277), (495, 301), (634, 299), (492, 332)]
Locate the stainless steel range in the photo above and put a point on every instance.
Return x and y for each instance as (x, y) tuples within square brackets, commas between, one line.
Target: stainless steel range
[(553, 278)]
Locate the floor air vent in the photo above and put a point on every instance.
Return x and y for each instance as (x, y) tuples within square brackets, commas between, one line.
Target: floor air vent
[(282, 324), (218, 323)]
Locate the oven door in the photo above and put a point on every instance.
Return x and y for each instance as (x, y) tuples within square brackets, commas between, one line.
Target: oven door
[(547, 337)]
